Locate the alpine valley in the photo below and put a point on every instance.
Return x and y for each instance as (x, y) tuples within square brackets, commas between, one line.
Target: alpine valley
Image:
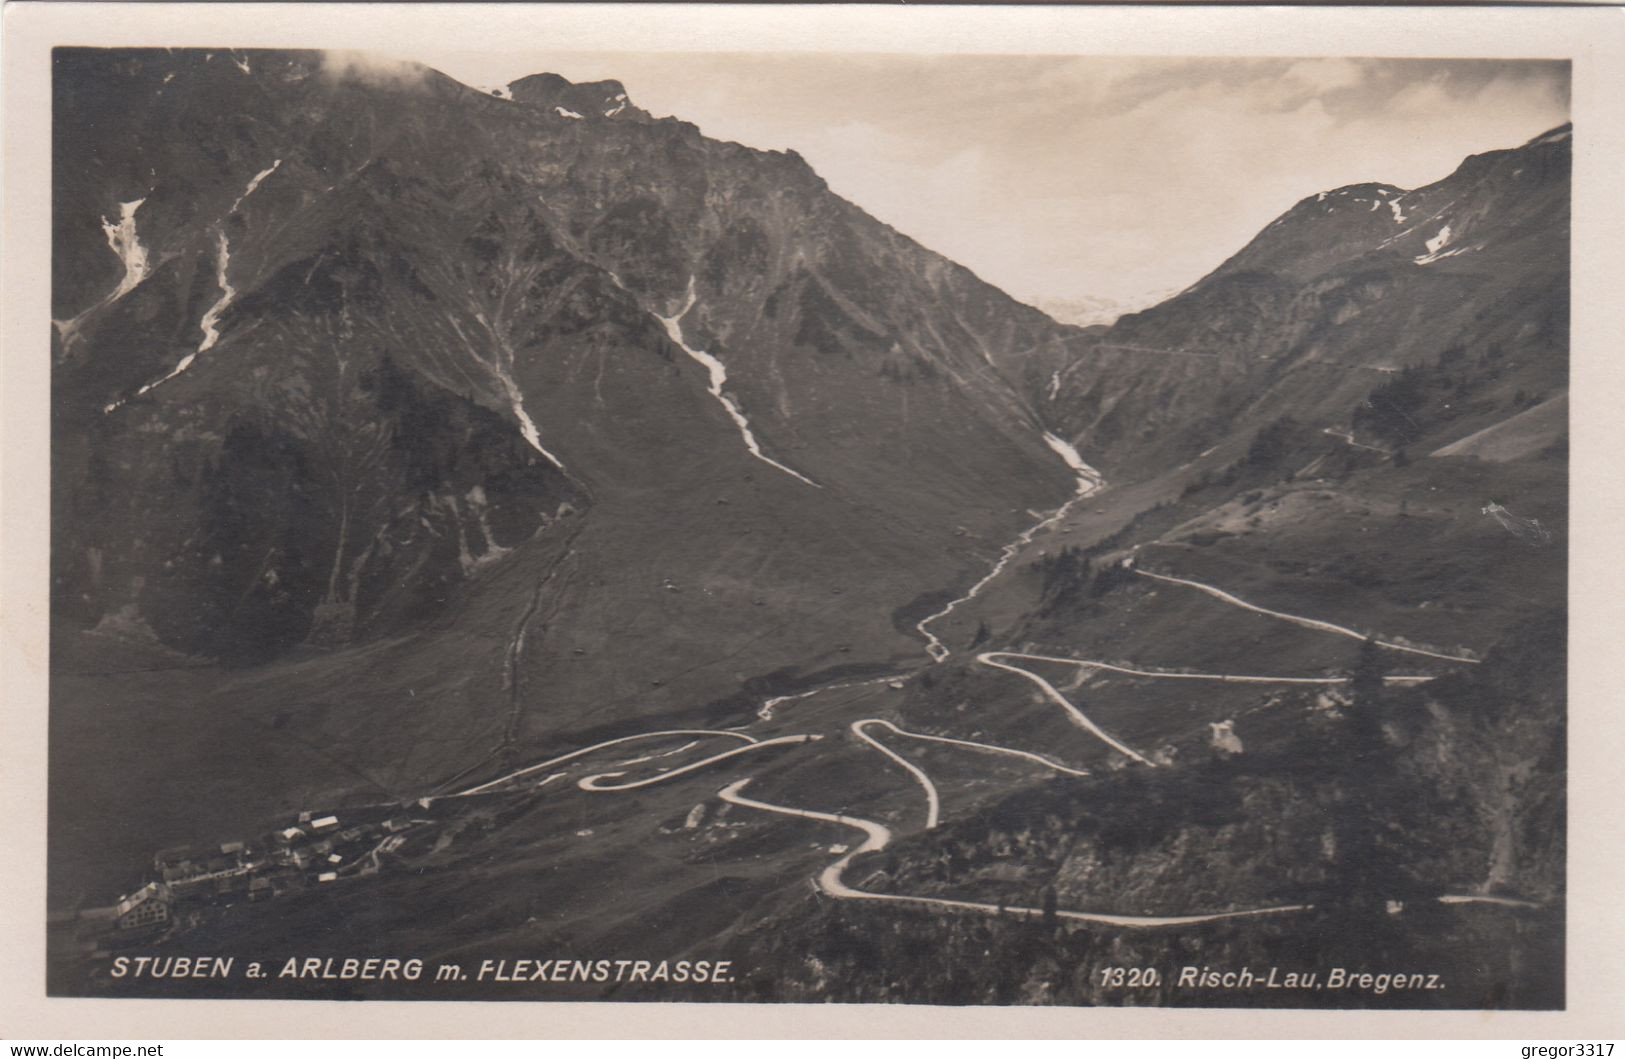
[(504, 527)]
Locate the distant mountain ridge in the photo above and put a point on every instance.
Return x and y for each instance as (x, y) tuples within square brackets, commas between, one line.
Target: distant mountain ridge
[(1347, 286), (1093, 310)]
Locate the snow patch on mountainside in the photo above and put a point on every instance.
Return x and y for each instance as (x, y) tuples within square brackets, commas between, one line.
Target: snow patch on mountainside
[(1428, 259), (211, 317), (566, 113), (228, 293), (209, 325), (500, 365), (253, 185), (478, 507), (1439, 247), (516, 403), (126, 243), (717, 374)]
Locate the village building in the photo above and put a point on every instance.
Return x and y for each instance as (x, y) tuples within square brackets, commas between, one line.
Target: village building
[(146, 910)]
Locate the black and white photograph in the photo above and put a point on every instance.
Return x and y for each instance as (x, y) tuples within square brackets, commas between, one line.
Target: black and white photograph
[(1051, 529)]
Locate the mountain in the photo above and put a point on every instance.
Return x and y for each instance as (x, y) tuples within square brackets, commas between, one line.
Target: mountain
[(1336, 296), (417, 447), (1315, 634), (1097, 311), (1088, 311), (344, 356)]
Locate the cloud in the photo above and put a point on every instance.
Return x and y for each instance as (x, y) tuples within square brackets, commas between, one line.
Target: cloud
[(370, 68), (1325, 75)]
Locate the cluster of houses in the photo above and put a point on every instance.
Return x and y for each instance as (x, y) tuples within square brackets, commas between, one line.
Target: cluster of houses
[(313, 851)]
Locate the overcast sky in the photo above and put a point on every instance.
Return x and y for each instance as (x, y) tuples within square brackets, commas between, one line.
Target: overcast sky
[(1068, 177)]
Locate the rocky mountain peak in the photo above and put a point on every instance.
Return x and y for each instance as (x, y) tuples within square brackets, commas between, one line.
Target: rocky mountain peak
[(589, 100), (1369, 196)]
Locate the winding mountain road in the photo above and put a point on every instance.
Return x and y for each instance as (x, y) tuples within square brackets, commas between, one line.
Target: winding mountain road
[(1225, 678), (933, 804), (1298, 619), (986, 748), (596, 782), (1348, 439), (877, 837), (831, 880), (1078, 717), (765, 713), (584, 751), (995, 659), (1486, 899)]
